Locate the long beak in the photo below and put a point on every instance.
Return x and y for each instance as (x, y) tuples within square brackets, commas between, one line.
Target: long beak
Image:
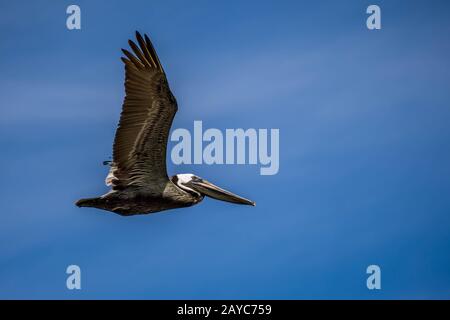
[(213, 191)]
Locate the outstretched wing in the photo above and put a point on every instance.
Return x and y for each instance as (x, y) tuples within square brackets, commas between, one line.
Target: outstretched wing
[(139, 151)]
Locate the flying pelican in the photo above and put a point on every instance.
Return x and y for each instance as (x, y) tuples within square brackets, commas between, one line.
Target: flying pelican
[(138, 174)]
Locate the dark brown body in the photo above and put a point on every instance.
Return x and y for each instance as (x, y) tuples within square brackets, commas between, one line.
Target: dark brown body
[(133, 201)]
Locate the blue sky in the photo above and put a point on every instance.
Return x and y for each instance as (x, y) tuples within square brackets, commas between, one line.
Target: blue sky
[(364, 176)]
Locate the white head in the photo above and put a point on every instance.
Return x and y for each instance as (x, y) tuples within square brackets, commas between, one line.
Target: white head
[(185, 177), (183, 180)]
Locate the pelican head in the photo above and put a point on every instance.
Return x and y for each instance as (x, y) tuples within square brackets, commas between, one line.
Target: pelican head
[(201, 187)]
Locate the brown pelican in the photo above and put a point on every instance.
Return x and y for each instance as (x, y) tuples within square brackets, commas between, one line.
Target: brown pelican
[(138, 175)]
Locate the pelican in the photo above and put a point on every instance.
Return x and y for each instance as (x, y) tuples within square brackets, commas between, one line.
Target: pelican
[(138, 174)]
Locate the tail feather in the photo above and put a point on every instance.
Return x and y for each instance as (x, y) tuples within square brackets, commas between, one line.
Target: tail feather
[(89, 202)]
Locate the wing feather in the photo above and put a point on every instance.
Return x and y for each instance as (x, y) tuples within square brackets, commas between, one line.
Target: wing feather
[(139, 150)]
